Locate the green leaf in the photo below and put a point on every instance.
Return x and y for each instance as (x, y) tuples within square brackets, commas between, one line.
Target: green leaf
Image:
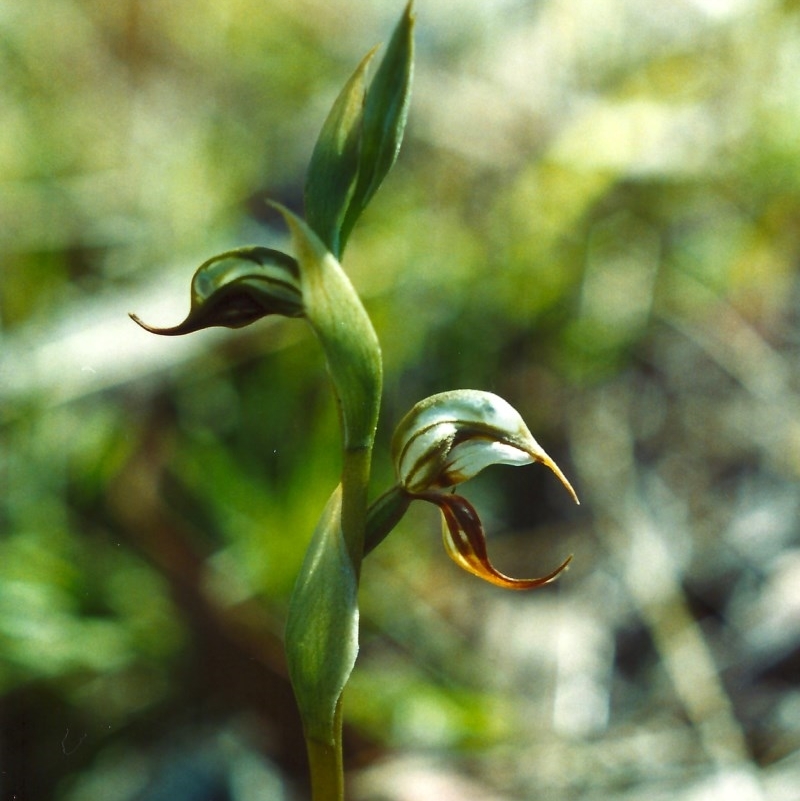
[(384, 119), (333, 169), (238, 287), (344, 330), (322, 625), (360, 140)]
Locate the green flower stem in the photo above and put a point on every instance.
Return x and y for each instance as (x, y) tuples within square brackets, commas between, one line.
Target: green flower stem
[(322, 624), (326, 765), (324, 745), (356, 148), (355, 482), (383, 515)]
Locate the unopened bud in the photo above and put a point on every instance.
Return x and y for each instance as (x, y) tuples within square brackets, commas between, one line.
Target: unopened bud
[(239, 287)]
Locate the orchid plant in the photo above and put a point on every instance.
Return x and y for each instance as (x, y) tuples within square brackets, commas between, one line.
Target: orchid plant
[(442, 442)]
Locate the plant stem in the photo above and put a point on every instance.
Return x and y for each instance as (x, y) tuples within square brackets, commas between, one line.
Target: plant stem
[(325, 760), (383, 515), (325, 763), (355, 485)]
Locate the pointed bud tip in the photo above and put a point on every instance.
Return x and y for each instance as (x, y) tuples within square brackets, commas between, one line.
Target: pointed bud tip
[(174, 331), (136, 319)]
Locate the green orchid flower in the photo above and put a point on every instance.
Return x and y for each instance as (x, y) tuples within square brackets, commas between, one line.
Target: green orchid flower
[(444, 441)]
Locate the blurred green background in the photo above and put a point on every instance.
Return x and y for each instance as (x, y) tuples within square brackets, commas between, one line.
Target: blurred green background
[(596, 214)]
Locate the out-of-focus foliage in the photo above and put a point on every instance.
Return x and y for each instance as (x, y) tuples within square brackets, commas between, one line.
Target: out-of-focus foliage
[(595, 215)]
